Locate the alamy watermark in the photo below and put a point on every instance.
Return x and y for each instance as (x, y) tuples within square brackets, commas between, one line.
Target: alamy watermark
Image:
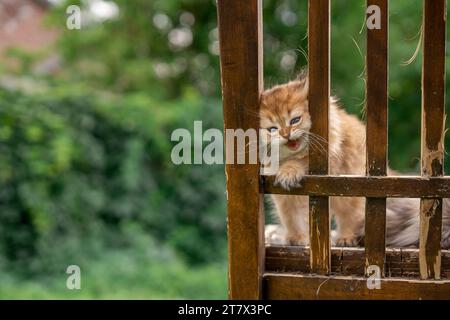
[(73, 17), (73, 281), (373, 20), (373, 277), (241, 147)]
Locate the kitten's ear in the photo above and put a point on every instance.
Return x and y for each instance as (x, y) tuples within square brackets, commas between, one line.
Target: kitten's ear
[(302, 84), (303, 80), (306, 84)]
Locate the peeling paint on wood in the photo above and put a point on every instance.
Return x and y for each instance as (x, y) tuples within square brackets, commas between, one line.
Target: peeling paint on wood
[(240, 24), (306, 287), (433, 117), (319, 96), (400, 263), (376, 134)]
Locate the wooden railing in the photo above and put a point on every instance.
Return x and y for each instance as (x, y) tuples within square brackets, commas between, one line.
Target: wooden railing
[(240, 27)]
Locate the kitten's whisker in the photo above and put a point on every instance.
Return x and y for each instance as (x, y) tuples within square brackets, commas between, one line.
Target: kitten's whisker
[(317, 146), (322, 143), (317, 136), (317, 141), (308, 133)]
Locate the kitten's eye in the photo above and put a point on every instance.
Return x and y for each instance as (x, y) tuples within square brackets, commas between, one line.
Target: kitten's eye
[(272, 129), (295, 120)]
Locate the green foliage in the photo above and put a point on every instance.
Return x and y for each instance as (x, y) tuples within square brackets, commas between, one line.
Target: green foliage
[(131, 53), (143, 271), (75, 169)]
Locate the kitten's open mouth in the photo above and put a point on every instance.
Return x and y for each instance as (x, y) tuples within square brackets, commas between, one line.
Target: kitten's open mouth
[(293, 144)]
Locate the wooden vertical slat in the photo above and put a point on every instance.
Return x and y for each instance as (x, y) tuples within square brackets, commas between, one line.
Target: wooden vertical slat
[(318, 100), (433, 110), (376, 130), (240, 30)]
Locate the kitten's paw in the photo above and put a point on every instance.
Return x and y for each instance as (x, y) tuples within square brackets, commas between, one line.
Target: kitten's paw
[(274, 234), (346, 241), (296, 240), (288, 177)]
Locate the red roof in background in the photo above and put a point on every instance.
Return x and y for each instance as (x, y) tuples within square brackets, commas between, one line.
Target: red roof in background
[(21, 25)]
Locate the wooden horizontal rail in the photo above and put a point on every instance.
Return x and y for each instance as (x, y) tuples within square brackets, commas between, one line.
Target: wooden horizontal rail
[(305, 287), (402, 263), (362, 186)]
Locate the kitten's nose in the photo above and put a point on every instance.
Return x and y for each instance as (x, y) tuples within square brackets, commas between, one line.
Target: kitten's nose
[(285, 133)]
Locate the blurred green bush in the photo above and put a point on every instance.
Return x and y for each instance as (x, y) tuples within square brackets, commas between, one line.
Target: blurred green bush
[(76, 169)]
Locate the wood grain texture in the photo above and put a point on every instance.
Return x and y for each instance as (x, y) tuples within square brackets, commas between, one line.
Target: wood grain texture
[(305, 287), (240, 31), (376, 132), (375, 232), (433, 110), (399, 263), (377, 93), (318, 100), (361, 186)]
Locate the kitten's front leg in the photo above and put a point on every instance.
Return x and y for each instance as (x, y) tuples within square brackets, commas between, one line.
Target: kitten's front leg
[(349, 214), (290, 174)]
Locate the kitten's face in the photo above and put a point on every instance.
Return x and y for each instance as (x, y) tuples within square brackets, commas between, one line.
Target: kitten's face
[(284, 117)]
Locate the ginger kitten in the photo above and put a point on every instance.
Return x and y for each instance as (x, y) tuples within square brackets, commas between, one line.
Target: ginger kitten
[(286, 121)]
